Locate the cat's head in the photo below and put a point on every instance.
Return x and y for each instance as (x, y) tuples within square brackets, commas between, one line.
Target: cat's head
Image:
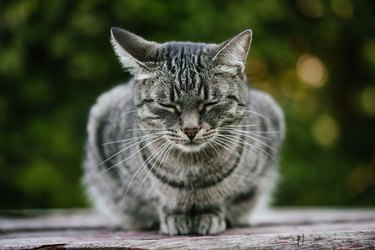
[(189, 92)]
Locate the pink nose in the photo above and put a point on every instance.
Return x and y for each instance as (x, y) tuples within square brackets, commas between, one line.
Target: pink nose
[(191, 132)]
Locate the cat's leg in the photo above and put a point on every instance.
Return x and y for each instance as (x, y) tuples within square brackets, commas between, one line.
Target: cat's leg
[(175, 223), (209, 223), (195, 221)]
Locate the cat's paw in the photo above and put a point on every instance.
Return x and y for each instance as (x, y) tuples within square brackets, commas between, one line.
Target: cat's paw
[(177, 224), (205, 224)]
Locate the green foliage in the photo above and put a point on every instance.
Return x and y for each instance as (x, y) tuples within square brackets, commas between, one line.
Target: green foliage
[(317, 58)]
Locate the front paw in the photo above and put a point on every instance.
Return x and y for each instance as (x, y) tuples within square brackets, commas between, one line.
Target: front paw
[(208, 224), (176, 224)]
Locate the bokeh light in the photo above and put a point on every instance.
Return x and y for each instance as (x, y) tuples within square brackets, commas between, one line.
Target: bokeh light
[(325, 130), (311, 70), (367, 101), (361, 178), (311, 8), (343, 8)]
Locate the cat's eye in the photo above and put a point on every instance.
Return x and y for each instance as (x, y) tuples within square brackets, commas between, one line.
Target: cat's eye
[(173, 108), (208, 105)]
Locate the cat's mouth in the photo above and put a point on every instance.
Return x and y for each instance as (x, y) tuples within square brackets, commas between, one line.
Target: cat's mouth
[(193, 145)]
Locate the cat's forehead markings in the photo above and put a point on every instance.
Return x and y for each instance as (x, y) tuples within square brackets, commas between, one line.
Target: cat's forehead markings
[(188, 48)]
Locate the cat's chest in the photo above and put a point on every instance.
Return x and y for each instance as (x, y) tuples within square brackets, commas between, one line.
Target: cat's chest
[(189, 171), (188, 197), (199, 186)]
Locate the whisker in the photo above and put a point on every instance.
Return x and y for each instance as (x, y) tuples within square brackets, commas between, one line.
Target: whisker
[(164, 146), (257, 132), (256, 149), (149, 158), (219, 141), (260, 141), (255, 139), (213, 146), (251, 125), (245, 132), (136, 141), (130, 111), (142, 129), (129, 139), (267, 132), (204, 151), (244, 125), (171, 147), (147, 137), (119, 152), (234, 139), (255, 113), (122, 161), (123, 140)]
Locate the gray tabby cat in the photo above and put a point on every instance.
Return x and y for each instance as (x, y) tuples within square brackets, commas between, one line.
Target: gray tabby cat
[(186, 145)]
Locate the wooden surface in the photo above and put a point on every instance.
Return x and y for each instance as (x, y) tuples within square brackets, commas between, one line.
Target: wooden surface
[(275, 229)]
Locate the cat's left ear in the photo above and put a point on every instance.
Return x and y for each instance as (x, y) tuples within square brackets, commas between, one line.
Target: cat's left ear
[(133, 52), (232, 53)]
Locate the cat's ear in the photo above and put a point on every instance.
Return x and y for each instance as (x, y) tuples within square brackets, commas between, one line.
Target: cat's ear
[(232, 53), (133, 51)]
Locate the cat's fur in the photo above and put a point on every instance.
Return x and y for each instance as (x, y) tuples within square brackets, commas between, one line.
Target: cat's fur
[(205, 145)]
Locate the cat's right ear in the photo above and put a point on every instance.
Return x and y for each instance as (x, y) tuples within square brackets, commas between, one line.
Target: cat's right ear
[(133, 51)]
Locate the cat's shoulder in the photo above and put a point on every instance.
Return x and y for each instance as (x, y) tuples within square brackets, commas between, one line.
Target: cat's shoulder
[(117, 93), (259, 97), (265, 104), (119, 96)]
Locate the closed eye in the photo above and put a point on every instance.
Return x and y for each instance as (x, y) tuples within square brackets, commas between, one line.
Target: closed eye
[(232, 97), (235, 98), (167, 105), (208, 105), (170, 107)]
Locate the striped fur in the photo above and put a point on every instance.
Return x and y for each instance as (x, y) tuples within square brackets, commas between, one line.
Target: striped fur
[(186, 145)]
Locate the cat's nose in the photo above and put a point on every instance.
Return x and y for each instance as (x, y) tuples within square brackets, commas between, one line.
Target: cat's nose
[(191, 132)]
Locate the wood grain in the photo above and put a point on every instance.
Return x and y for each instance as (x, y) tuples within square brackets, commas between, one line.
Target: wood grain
[(274, 229)]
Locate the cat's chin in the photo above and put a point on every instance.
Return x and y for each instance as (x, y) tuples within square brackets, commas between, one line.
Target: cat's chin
[(191, 147)]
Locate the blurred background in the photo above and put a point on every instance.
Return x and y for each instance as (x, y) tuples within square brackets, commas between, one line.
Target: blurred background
[(317, 58)]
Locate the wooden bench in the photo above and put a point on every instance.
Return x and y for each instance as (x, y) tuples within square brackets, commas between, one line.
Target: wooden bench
[(276, 229)]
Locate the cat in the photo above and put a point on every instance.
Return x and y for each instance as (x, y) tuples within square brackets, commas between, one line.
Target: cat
[(186, 145)]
